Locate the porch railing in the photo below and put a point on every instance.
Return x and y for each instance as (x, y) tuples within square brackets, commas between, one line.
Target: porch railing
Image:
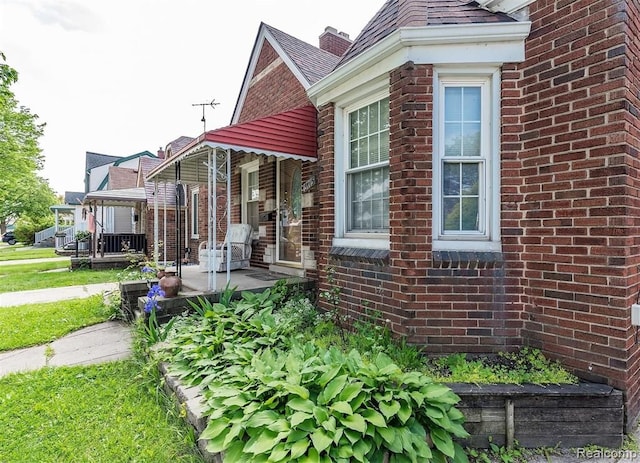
[(44, 234), (122, 242)]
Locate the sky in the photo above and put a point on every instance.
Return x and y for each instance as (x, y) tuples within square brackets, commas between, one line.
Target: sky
[(120, 77)]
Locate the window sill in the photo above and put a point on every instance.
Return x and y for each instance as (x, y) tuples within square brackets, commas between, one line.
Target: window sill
[(373, 256)]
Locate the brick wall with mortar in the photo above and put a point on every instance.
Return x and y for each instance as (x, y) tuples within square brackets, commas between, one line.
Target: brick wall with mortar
[(446, 301), (273, 88), (168, 245), (566, 126), (568, 272)]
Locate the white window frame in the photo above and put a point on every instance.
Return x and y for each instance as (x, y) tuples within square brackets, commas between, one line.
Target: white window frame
[(343, 237), (195, 216), (246, 169), (488, 237)]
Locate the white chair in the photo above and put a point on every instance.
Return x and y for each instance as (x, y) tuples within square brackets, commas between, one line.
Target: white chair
[(239, 237)]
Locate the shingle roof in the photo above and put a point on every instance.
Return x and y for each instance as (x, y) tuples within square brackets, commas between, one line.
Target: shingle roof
[(73, 197), (146, 166), (176, 145), (395, 14), (313, 62), (96, 159)]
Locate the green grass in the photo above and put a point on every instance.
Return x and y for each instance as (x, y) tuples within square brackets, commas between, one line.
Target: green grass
[(22, 277), (34, 324), (18, 251), (101, 413)]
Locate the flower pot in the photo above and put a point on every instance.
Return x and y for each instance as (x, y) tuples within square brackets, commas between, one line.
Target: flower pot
[(170, 283)]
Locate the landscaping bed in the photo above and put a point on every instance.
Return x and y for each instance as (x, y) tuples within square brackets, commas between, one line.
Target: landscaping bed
[(269, 377)]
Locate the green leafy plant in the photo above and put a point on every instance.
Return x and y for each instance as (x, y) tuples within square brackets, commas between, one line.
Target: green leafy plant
[(309, 404), (82, 235)]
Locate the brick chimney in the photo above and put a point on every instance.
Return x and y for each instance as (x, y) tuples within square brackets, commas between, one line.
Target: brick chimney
[(160, 153), (334, 42)]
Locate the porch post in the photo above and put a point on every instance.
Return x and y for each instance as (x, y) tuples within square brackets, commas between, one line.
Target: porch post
[(155, 221), (213, 219), (164, 226), (228, 214), (209, 258)]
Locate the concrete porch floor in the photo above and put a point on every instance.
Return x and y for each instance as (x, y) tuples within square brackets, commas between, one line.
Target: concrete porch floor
[(250, 279)]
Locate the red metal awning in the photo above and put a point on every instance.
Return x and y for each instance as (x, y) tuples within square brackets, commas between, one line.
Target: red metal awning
[(290, 134)]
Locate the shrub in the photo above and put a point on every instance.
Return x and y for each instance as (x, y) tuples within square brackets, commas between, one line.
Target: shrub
[(272, 397), (26, 228)]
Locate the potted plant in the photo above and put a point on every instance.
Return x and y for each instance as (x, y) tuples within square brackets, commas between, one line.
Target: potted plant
[(82, 238)]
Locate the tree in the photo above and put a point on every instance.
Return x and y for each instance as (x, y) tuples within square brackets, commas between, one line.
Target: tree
[(22, 192)]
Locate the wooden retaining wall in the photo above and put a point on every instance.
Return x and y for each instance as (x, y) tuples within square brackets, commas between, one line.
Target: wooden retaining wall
[(565, 416)]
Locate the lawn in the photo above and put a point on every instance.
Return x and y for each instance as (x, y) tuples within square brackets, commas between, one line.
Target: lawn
[(22, 277), (18, 252), (34, 324), (102, 413)]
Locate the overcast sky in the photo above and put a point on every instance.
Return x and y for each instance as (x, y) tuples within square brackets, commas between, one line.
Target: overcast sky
[(119, 77)]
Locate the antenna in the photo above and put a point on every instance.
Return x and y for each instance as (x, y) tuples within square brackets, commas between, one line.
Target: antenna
[(213, 104)]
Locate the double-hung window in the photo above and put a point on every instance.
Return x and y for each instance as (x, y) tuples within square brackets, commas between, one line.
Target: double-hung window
[(465, 164), (366, 171)]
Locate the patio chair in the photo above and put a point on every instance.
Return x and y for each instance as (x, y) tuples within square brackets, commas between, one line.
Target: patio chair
[(239, 237)]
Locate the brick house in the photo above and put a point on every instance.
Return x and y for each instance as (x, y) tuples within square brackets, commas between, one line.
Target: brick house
[(509, 197), (476, 174)]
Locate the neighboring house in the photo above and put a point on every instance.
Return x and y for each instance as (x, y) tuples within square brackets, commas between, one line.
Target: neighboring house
[(473, 175), (104, 172)]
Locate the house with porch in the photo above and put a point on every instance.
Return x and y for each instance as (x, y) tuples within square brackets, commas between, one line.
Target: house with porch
[(469, 170)]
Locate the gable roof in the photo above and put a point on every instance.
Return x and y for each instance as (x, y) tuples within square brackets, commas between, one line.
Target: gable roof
[(176, 145), (395, 14), (93, 160), (120, 160), (308, 63), (313, 62), (166, 192)]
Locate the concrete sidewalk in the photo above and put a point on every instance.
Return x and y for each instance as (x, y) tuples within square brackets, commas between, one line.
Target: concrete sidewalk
[(99, 343), (35, 261), (54, 294), (95, 344)]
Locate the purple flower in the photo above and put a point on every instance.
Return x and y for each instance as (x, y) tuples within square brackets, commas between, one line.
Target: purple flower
[(147, 269), (152, 303)]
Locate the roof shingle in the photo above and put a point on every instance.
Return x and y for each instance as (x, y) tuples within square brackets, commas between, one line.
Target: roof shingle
[(395, 14), (313, 62)]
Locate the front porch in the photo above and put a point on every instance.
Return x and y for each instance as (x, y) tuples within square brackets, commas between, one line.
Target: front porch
[(195, 284)]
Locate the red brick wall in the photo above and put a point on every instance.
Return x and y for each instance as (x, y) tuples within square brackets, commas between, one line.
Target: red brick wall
[(445, 301), (565, 122), (632, 118), (170, 244), (276, 91)]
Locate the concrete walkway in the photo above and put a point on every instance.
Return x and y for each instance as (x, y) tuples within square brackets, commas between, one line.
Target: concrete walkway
[(54, 294), (103, 342), (35, 261)]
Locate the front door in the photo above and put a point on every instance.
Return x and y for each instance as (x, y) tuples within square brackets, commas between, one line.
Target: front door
[(289, 237)]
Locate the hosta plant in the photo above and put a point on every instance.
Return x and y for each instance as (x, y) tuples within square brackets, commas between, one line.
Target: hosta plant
[(308, 404)]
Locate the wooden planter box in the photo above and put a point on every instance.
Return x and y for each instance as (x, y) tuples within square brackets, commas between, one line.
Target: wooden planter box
[(565, 416)]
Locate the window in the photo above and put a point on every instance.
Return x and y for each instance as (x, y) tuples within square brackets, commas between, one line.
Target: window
[(195, 195), (251, 195), (362, 174), (465, 163)]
